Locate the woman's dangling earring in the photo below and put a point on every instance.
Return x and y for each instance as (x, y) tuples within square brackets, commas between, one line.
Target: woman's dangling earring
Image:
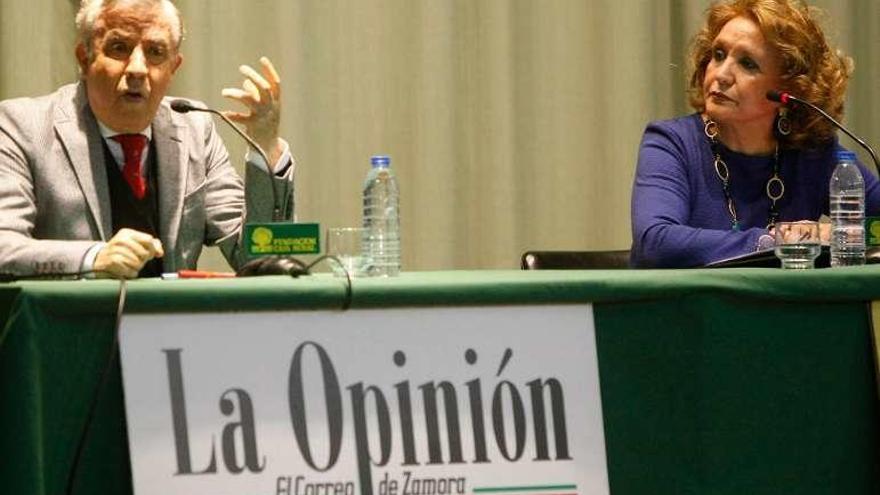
[(783, 123)]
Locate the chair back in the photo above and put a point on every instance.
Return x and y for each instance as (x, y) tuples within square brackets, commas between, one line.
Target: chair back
[(575, 260)]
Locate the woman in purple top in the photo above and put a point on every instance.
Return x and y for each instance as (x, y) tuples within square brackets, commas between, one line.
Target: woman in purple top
[(712, 185)]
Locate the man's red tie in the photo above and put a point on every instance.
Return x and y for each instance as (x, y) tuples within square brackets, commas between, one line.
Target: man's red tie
[(133, 148)]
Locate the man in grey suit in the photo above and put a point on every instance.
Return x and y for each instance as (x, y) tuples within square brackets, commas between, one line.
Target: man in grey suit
[(102, 176)]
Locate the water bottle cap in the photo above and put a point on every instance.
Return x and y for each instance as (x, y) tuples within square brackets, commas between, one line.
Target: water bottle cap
[(380, 161), (846, 156)]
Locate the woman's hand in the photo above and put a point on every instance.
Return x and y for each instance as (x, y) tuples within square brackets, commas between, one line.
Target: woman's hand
[(825, 233), (801, 231)]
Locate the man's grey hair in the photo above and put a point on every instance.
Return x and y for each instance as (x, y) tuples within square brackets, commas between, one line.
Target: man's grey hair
[(90, 10)]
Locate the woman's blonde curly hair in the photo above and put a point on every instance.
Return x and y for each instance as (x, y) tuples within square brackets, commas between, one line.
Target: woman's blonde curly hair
[(811, 69)]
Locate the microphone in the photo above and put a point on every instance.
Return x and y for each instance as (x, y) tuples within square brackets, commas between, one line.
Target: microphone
[(183, 106), (786, 99)]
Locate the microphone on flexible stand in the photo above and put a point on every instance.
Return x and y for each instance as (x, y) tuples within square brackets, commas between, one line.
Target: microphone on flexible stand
[(183, 106), (786, 99)]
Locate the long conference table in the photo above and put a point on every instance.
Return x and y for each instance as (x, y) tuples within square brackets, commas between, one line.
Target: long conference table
[(725, 381)]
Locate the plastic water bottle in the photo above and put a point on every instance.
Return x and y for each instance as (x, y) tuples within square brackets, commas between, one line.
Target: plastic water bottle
[(382, 219), (847, 190)]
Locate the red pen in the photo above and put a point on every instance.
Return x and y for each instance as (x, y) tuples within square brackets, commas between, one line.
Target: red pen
[(203, 274)]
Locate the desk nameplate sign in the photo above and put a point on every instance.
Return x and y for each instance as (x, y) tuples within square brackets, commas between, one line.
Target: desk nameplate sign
[(872, 231), (282, 238), (417, 401)]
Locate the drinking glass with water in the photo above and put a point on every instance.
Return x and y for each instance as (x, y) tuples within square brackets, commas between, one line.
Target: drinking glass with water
[(798, 244), (347, 245)]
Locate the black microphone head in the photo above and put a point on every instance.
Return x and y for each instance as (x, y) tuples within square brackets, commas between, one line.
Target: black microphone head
[(777, 96), (182, 106)]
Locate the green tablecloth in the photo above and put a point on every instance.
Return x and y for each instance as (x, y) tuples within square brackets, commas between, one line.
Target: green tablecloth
[(713, 381)]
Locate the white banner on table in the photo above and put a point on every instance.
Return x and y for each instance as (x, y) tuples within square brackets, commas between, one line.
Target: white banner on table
[(434, 401)]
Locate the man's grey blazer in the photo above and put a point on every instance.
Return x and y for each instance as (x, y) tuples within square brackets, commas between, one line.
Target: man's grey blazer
[(54, 194)]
